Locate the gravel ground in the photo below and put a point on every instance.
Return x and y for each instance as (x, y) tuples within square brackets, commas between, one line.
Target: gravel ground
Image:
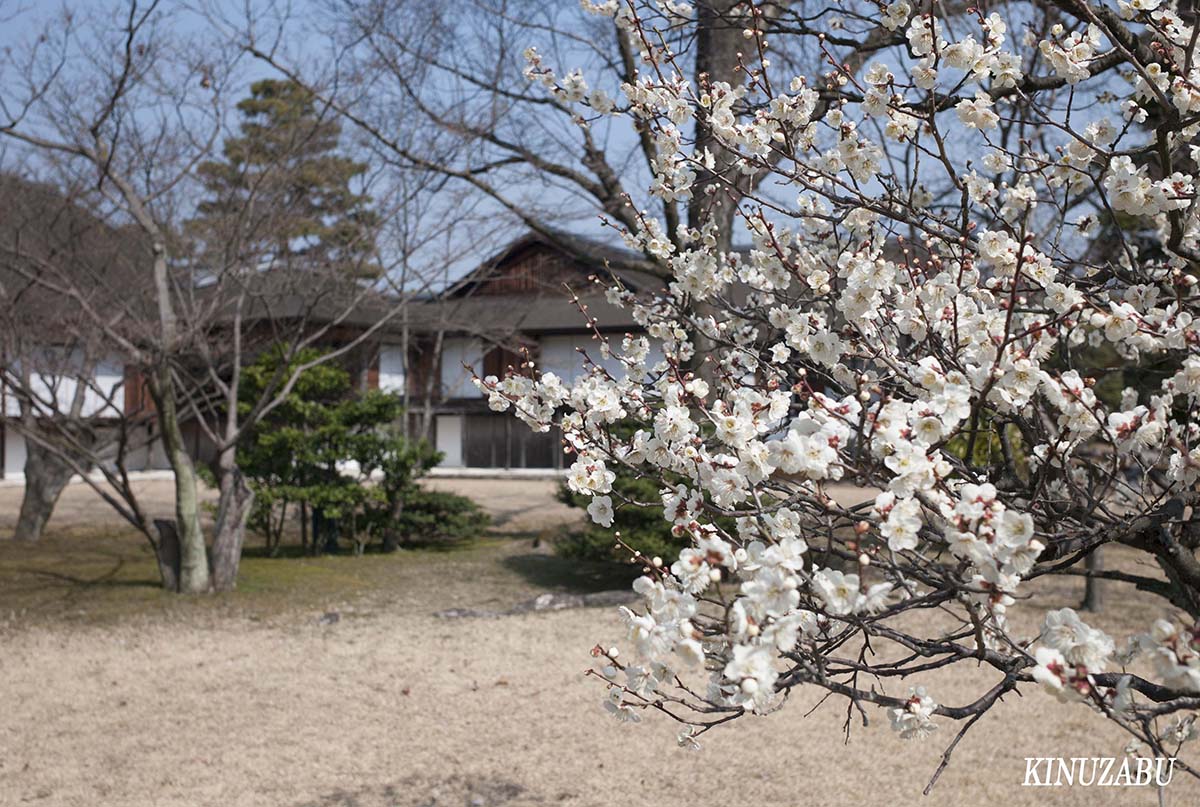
[(405, 709), (81, 507), (393, 706), (516, 505)]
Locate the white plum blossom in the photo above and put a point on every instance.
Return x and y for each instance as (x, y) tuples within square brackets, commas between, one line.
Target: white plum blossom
[(618, 707), (902, 520), (1079, 644), (590, 477), (1070, 54), (914, 720), (958, 275), (601, 510), (1174, 651), (1058, 677), (752, 669), (978, 113)]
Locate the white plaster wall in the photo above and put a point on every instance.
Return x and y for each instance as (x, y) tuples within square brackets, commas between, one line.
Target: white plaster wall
[(558, 355), (14, 455), (391, 368), (456, 380), (55, 387), (449, 439)]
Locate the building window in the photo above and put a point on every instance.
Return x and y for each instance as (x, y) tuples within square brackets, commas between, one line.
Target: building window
[(500, 441)]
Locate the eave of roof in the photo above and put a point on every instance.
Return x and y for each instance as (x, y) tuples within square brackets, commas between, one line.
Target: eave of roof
[(628, 266)]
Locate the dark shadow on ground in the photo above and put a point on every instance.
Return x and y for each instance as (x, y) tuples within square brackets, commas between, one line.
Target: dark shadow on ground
[(343, 798), (451, 791), (292, 550), (502, 518), (107, 580), (576, 576)]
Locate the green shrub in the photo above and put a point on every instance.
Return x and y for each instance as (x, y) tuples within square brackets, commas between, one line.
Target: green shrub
[(642, 528), (430, 516), (295, 457), (988, 451)]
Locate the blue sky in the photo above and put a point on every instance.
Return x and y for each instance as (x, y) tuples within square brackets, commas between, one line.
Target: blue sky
[(307, 44)]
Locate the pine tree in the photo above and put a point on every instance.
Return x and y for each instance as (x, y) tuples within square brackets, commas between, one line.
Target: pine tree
[(283, 194)]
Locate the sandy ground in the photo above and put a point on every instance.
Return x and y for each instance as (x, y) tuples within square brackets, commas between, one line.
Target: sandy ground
[(516, 505), (393, 706), (81, 506)]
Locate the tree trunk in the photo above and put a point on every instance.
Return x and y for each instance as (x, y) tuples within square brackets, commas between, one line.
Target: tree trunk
[(719, 42), (46, 474), (324, 533), (275, 530), (1093, 592), (233, 511), (193, 557), (391, 533), (431, 383), (304, 527), (167, 552)]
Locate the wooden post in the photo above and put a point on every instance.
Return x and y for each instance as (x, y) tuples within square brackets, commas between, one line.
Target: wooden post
[(1093, 593)]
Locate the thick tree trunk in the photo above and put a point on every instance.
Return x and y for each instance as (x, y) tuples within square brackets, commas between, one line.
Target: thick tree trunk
[(716, 192), (168, 553), (719, 43), (233, 511), (193, 556), (46, 474)]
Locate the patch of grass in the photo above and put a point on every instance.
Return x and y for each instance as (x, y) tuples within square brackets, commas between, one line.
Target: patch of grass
[(77, 575), (104, 576), (96, 576)]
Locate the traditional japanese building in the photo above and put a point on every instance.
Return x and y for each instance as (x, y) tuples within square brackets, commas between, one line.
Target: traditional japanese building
[(525, 302)]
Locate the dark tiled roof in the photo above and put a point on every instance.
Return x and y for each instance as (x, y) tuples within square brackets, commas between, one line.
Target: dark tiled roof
[(50, 243), (592, 256), (112, 268), (499, 315)]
